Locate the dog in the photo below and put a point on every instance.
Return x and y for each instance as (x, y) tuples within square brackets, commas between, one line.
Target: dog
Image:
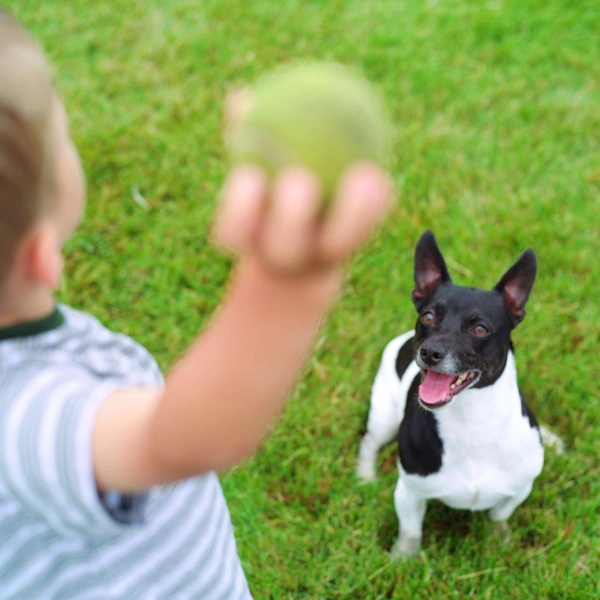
[(448, 391)]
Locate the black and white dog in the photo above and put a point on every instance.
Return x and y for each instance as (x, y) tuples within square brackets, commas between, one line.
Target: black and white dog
[(449, 391)]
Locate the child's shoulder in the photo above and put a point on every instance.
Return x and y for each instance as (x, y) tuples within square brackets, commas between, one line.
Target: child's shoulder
[(79, 345)]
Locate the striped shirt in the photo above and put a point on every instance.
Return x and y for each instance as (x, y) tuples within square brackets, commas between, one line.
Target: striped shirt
[(59, 539)]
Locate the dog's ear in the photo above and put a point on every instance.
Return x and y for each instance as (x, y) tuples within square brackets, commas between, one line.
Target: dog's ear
[(430, 267), (515, 285)]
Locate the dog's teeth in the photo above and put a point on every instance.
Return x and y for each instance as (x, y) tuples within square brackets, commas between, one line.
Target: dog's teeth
[(452, 386)]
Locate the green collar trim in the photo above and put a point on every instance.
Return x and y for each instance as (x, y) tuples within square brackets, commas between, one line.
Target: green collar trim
[(52, 321)]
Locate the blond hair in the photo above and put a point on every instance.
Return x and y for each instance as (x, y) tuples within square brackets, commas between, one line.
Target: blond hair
[(27, 162)]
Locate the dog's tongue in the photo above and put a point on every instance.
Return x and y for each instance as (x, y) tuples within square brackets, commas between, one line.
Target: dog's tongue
[(435, 387)]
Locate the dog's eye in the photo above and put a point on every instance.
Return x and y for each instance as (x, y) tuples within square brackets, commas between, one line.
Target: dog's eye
[(427, 318), (480, 330)]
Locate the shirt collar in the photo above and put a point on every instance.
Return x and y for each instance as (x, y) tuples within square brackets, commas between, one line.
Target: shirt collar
[(52, 321)]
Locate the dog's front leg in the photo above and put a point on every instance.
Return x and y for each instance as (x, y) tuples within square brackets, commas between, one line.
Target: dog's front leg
[(410, 509), (502, 511), (382, 427)]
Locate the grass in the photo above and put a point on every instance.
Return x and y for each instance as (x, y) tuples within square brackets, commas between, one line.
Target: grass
[(496, 108)]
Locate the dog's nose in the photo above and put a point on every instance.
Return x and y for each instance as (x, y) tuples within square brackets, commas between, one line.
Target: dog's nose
[(432, 353)]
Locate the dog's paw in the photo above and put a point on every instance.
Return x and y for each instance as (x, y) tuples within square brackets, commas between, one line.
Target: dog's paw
[(365, 472), (405, 548), (365, 478), (551, 440)]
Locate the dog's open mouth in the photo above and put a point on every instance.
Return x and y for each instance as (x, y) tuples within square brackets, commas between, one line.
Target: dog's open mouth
[(438, 389)]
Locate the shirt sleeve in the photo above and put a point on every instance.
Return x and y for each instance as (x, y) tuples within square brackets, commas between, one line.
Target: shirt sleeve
[(46, 422)]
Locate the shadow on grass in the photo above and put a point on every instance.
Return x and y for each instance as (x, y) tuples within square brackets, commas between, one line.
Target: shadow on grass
[(443, 526)]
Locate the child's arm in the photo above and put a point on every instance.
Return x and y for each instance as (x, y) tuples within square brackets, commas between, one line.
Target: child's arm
[(220, 398)]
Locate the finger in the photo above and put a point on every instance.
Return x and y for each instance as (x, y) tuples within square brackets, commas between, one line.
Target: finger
[(243, 200), (288, 237), (360, 203)]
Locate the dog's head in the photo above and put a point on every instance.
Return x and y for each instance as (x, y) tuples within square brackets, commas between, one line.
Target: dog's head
[(462, 336)]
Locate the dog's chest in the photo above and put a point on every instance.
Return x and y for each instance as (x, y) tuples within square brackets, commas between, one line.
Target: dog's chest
[(477, 473), (485, 456)]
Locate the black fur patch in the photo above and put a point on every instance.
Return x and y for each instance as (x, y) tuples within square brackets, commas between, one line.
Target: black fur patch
[(419, 445), (406, 355), (526, 412)]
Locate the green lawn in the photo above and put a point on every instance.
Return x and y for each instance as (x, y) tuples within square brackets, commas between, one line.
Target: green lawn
[(496, 108)]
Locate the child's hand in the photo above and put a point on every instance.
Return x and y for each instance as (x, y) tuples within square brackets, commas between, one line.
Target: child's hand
[(280, 223)]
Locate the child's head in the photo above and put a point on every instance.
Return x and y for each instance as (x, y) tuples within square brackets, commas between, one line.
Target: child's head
[(41, 187)]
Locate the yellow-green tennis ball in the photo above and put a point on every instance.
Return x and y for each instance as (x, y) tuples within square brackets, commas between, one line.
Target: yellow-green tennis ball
[(319, 115)]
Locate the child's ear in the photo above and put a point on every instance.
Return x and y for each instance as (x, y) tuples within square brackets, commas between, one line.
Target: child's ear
[(42, 257)]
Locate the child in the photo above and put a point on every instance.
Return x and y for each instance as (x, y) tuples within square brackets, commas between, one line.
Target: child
[(107, 473)]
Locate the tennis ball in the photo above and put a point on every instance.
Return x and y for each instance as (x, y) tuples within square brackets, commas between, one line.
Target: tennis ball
[(320, 115)]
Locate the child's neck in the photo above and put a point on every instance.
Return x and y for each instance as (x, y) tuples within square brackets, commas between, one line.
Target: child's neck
[(30, 304)]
